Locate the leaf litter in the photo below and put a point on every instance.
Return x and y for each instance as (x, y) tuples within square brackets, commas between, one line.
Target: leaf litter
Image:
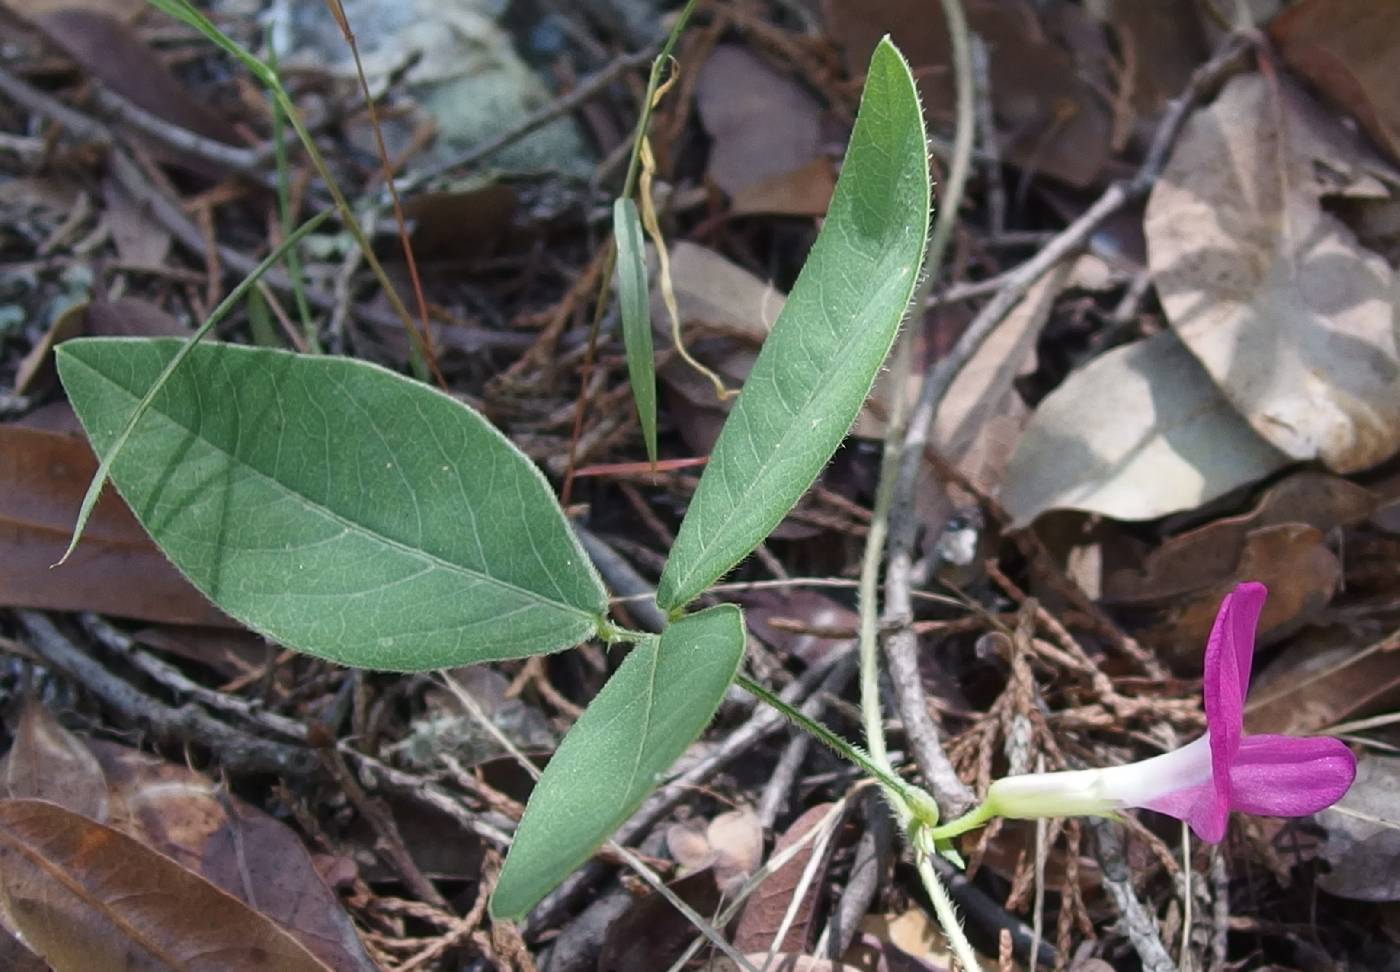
[(1122, 450)]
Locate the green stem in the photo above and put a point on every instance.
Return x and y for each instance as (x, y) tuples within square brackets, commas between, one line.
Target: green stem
[(284, 209), (947, 916), (634, 160), (971, 820), (909, 799), (872, 718)]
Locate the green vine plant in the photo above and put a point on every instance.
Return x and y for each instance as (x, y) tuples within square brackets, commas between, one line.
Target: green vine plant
[(363, 517)]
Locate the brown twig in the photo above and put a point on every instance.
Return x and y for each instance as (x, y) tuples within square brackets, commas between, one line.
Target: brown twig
[(188, 724), (900, 642), (179, 683), (873, 853), (991, 142), (1134, 920), (390, 842), (587, 89)]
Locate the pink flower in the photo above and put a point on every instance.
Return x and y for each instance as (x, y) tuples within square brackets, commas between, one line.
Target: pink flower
[(1276, 776), (1224, 770)]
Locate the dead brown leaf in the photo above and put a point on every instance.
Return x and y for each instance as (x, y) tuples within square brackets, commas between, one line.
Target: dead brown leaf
[(1139, 432), (91, 899), (652, 934), (182, 814), (765, 129), (1208, 554), (47, 762), (112, 52), (139, 239), (1291, 559), (1291, 317), (116, 569), (464, 224), (124, 10), (730, 845), (259, 860), (1310, 686), (15, 957), (123, 317), (1049, 119), (766, 910), (805, 191), (1161, 43), (1363, 834), (909, 941), (1349, 49)]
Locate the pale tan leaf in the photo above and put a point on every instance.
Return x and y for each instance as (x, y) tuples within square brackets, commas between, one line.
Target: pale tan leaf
[(1139, 432), (1291, 317)]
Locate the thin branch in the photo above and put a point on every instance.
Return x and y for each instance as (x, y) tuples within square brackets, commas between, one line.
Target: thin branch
[(188, 724), (587, 89), (1135, 922), (900, 642)]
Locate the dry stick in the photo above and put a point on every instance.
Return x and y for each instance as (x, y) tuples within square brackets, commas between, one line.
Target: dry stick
[(588, 89), (390, 841), (894, 510), (1220, 913), (425, 792), (900, 642), (177, 681), (1136, 923), (236, 750), (987, 128), (873, 851), (250, 163)]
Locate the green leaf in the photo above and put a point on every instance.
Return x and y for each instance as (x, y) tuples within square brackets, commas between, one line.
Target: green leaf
[(635, 303), (817, 366), (655, 705), (245, 286), (340, 509)]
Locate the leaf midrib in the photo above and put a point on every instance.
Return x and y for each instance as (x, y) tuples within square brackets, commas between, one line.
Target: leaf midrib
[(423, 555), (765, 465)]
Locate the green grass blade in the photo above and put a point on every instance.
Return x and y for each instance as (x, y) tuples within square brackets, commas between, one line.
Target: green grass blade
[(244, 287), (654, 706), (339, 508), (185, 12), (635, 304), (820, 360)]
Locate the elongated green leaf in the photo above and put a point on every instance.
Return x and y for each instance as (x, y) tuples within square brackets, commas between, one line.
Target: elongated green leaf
[(821, 358), (184, 11), (339, 508), (654, 706), (635, 304)]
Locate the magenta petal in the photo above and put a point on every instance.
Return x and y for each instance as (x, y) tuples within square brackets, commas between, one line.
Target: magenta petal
[(1283, 776), (1229, 656), (1200, 806)]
